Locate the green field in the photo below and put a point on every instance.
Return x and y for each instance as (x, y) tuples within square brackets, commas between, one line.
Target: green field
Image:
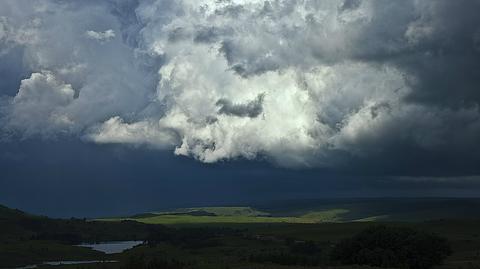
[(224, 211), (320, 211), (233, 215)]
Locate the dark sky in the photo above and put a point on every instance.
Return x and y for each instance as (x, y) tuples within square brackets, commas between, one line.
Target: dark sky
[(122, 106), (71, 178)]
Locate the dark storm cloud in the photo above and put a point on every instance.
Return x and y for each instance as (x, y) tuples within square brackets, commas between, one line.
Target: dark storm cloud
[(390, 85), (246, 63), (435, 43), (350, 4), (66, 178), (251, 109), (207, 35), (447, 60), (12, 70), (124, 10)]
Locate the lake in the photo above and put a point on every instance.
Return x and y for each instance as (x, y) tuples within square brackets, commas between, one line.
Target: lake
[(63, 263), (112, 247), (105, 247)]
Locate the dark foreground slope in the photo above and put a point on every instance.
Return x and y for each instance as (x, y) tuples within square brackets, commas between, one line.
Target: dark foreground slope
[(27, 239)]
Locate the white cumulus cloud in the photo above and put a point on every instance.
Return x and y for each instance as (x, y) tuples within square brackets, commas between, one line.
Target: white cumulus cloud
[(294, 82), (101, 36), (38, 106)]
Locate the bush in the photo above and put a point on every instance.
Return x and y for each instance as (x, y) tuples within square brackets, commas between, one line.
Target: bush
[(141, 262), (392, 247), (306, 248), (189, 238), (284, 258)]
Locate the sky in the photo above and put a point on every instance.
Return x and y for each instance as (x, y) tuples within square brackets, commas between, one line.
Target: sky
[(123, 106)]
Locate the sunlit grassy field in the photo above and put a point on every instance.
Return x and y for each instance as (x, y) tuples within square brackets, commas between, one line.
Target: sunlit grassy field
[(236, 215)]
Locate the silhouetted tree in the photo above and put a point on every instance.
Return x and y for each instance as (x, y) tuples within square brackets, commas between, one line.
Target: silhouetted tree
[(392, 247), (307, 248)]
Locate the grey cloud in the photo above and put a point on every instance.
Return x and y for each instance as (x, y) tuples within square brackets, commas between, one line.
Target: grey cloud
[(102, 76), (207, 35), (376, 109), (347, 81), (247, 65), (124, 11), (102, 37), (438, 55), (350, 4), (251, 109), (176, 34)]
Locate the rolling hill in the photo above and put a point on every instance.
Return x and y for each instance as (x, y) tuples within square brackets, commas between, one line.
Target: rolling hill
[(321, 211)]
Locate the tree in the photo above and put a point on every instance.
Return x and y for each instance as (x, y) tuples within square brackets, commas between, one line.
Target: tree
[(392, 247)]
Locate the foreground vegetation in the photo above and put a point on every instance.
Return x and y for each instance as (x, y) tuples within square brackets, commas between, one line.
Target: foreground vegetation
[(390, 247), (262, 243)]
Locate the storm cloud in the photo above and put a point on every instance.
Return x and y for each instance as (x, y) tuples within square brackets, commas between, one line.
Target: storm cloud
[(251, 109), (304, 83)]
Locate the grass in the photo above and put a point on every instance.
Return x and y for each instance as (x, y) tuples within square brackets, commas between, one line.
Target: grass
[(385, 209), (207, 211), (36, 251), (332, 215), (230, 211), (235, 216), (327, 210)]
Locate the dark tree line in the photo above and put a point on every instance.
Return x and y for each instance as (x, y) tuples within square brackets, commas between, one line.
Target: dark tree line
[(140, 262), (72, 231), (285, 258), (384, 246), (303, 253), (189, 238)]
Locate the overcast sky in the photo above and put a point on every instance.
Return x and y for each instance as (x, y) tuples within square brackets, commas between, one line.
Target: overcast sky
[(118, 106)]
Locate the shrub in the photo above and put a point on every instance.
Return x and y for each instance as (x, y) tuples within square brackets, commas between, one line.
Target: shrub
[(306, 248), (141, 262), (392, 247), (284, 258)]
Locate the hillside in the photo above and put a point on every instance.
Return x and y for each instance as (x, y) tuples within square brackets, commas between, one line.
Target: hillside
[(208, 211), (320, 211), (386, 209), (212, 237), (8, 213), (27, 239)]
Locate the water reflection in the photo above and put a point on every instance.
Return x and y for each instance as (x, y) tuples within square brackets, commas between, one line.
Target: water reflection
[(63, 263), (105, 247), (112, 247)]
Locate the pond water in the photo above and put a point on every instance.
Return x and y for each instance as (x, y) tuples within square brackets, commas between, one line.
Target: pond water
[(63, 263), (112, 247), (106, 247)]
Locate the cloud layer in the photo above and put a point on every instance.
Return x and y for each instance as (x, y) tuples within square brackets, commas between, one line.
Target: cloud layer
[(301, 83)]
